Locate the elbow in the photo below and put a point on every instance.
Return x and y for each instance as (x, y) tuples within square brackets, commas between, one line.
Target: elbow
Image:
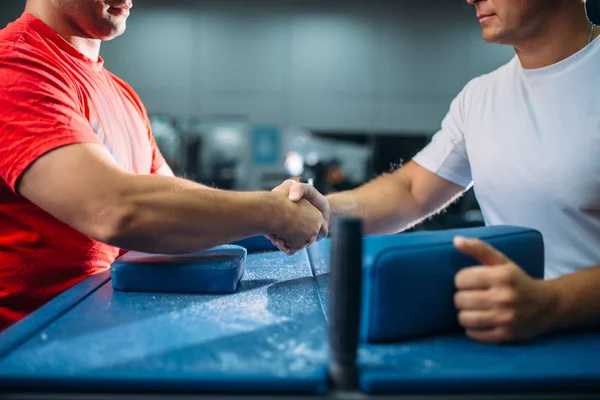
[(112, 225)]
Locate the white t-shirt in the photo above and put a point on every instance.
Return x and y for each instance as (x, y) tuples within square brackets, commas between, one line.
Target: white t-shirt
[(529, 143)]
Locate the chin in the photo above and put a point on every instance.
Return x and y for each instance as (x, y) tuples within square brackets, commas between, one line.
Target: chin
[(110, 32), (112, 36), (489, 38), (495, 36)]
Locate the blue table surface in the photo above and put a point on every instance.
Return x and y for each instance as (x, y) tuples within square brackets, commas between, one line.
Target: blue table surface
[(452, 362), (269, 336)]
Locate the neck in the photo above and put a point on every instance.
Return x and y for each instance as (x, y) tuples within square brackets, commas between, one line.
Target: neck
[(47, 13), (561, 36)]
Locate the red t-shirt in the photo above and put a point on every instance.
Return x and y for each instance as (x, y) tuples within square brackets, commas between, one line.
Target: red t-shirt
[(51, 96)]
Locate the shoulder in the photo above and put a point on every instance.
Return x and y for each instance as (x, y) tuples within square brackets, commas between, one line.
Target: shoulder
[(26, 54), (483, 87), (13, 33), (19, 39), (21, 55), (26, 66)]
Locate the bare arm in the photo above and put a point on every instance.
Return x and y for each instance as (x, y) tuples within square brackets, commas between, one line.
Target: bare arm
[(396, 201), (576, 301), (82, 186)]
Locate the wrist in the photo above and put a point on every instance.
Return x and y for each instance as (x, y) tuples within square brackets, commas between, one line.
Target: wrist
[(271, 212), (341, 204), (554, 306)]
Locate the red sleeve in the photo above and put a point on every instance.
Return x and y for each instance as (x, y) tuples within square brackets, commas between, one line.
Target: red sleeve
[(39, 112), (157, 158)]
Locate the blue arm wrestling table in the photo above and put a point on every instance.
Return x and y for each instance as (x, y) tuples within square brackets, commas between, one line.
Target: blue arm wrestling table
[(272, 337)]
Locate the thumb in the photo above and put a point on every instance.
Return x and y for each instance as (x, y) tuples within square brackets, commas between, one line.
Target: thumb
[(285, 185), (481, 251), (296, 192)]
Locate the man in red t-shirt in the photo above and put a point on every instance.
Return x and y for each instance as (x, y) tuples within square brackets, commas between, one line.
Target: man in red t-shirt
[(81, 176)]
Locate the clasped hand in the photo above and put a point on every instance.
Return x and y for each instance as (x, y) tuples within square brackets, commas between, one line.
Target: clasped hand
[(309, 217)]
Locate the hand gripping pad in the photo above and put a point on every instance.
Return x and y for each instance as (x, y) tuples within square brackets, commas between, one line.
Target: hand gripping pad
[(408, 285), (217, 270)]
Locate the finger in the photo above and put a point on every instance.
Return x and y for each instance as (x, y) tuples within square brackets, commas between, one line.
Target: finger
[(325, 227), (282, 245), (279, 243), (308, 192), (291, 252), (318, 200), (282, 249), (474, 278), (471, 300), (480, 250), (493, 336), (323, 232), (313, 240), (478, 319), (488, 319)]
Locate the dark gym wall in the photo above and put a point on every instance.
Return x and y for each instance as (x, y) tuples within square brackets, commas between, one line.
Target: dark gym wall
[(331, 65)]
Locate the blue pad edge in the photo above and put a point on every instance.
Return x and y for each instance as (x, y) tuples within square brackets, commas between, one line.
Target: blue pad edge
[(408, 281), (215, 271)]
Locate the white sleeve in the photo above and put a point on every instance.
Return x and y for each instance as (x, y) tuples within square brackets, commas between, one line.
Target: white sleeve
[(446, 154)]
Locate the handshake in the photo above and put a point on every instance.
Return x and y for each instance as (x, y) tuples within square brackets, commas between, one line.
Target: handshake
[(305, 217)]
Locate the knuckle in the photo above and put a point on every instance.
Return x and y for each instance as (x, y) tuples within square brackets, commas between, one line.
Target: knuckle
[(458, 278), (467, 320), (502, 277), (505, 298), (462, 318), (503, 335), (473, 334), (461, 278), (507, 318), (459, 300), (497, 277)]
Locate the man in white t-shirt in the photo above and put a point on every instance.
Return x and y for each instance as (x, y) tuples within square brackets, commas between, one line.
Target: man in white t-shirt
[(527, 137)]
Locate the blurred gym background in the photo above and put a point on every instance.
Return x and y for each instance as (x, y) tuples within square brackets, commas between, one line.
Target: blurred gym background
[(244, 94)]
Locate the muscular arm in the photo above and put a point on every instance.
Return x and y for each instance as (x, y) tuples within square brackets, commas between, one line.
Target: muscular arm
[(83, 187), (396, 201)]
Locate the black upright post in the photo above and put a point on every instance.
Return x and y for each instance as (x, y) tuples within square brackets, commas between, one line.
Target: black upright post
[(345, 286)]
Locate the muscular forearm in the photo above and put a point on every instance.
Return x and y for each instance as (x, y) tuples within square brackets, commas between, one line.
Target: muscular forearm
[(576, 300), (386, 205), (168, 215)]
